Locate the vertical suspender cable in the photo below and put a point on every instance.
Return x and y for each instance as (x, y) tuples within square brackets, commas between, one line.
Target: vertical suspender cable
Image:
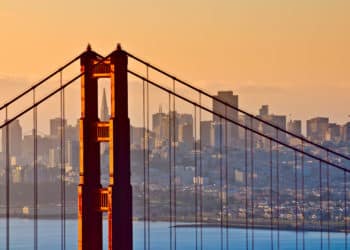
[(196, 179), (7, 149), (296, 198), (170, 178), (200, 173), (278, 191), (144, 167), (35, 151), (246, 186), (226, 176), (148, 165), (321, 210), (252, 178), (271, 198), (303, 191), (63, 162), (328, 208), (174, 159), (221, 189)]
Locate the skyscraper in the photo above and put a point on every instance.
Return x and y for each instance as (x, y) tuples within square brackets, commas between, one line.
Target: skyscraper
[(230, 113), (264, 110), (55, 126), (294, 126), (316, 128), (15, 138), (160, 125), (206, 133), (104, 114)]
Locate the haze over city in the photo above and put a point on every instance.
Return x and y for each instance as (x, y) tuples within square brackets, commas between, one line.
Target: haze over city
[(292, 56)]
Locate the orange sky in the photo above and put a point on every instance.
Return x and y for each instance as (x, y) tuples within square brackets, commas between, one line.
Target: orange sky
[(291, 54)]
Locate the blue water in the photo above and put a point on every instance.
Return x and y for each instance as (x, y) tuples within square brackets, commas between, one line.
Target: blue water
[(21, 237)]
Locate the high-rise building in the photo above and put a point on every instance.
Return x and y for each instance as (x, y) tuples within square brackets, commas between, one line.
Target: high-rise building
[(185, 119), (73, 154), (186, 133), (276, 120), (137, 135), (160, 125), (174, 126), (15, 138), (54, 157), (316, 128), (205, 133), (104, 114), (279, 121), (226, 111), (222, 109), (264, 110), (333, 132), (294, 126), (56, 126), (345, 132)]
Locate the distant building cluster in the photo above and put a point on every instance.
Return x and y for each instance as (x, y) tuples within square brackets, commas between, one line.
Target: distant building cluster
[(179, 128), (178, 145), (49, 154)]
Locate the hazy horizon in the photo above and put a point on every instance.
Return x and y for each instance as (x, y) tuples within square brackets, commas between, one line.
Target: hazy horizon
[(292, 56)]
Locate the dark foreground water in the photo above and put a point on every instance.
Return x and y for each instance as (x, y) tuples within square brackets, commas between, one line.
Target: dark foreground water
[(49, 237)]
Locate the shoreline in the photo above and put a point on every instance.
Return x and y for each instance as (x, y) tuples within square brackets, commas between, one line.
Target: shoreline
[(284, 226)]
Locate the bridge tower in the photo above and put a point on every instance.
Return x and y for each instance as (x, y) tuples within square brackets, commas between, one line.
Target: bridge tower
[(93, 199)]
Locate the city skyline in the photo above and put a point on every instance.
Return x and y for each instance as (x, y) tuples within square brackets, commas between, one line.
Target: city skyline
[(318, 129)]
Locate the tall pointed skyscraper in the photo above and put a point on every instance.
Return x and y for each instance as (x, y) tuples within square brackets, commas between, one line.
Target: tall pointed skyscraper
[(104, 115)]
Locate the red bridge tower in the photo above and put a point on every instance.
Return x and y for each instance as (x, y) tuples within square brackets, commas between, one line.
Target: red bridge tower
[(93, 199)]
